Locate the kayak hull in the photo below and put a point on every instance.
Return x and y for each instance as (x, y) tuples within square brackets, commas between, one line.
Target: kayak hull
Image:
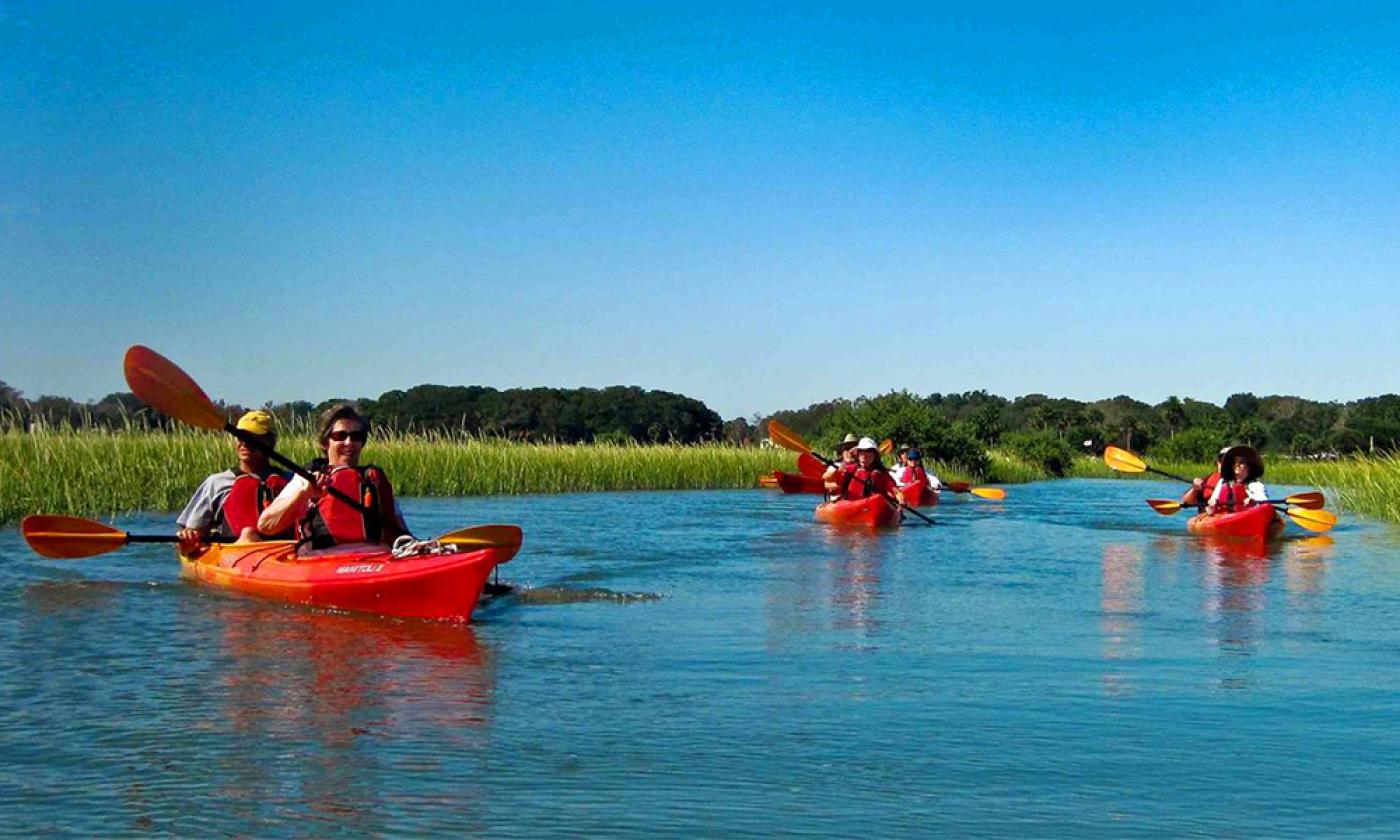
[(794, 483), (1260, 522), (919, 495), (359, 578), (870, 512)]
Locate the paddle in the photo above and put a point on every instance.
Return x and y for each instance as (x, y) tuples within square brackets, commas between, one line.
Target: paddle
[(71, 537), (994, 493), (160, 383), (1311, 500), (788, 439), (1124, 461), (809, 466), (886, 446), (1312, 519), (768, 481)]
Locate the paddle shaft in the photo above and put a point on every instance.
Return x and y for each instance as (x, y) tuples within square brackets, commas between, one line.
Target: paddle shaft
[(891, 499), (274, 455), (171, 538)]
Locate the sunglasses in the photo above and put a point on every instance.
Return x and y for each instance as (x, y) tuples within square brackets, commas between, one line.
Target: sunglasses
[(340, 436)]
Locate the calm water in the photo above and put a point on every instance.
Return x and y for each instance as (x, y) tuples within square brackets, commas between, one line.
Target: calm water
[(1063, 664)]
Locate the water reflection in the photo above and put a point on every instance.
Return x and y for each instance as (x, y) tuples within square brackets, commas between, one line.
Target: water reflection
[(322, 687), (834, 583), (855, 564)]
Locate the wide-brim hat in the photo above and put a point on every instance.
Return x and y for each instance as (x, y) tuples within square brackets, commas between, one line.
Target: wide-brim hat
[(868, 443), (1251, 458), (847, 443)]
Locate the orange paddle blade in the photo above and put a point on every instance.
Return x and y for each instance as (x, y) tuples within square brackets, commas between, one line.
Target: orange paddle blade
[(767, 481), (1311, 500), (160, 383), (1166, 507), (500, 536), (787, 438), (1312, 520), (69, 537), (994, 493), (809, 466), (886, 446), (1123, 461), (958, 486)]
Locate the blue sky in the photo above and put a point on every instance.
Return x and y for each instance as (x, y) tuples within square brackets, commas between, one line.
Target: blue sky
[(761, 207)]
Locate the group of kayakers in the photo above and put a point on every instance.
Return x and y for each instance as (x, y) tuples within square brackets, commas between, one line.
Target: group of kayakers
[(252, 501), (859, 472), (1234, 485)]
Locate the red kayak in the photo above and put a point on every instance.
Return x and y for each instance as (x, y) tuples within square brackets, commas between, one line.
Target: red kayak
[(870, 512), (1259, 522), (794, 483), (359, 577), (919, 495)]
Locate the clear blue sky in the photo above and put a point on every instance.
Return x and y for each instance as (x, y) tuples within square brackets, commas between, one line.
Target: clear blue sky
[(761, 207)]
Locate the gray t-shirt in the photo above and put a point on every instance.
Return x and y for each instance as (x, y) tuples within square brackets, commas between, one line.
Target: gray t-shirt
[(204, 506)]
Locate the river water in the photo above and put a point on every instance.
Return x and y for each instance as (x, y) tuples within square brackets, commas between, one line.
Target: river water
[(1066, 663)]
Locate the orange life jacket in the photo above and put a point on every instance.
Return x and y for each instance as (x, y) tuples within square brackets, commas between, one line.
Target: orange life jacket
[(329, 521), (858, 482), (250, 496)]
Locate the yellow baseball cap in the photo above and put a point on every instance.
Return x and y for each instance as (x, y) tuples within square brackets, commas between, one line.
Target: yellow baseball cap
[(258, 422)]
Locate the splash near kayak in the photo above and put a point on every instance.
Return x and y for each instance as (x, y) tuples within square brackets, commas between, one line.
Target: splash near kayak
[(360, 577), (1260, 522), (870, 512)]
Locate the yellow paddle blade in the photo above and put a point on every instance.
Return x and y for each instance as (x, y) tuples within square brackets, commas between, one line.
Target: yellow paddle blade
[(1166, 507), (160, 383), (1312, 520), (886, 446), (994, 493), (482, 536), (787, 438), (1123, 461), (68, 537), (767, 481)]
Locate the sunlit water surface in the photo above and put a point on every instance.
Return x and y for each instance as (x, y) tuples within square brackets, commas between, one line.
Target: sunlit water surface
[(1064, 664)]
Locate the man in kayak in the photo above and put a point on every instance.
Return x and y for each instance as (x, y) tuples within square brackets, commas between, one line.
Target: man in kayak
[(229, 502), (867, 477), (901, 464), (322, 519), (1202, 488), (845, 457), (1243, 488)]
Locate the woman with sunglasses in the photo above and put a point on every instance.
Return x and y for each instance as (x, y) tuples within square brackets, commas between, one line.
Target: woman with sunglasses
[(324, 520)]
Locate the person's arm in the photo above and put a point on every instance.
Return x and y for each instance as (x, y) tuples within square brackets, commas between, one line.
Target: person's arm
[(1257, 491), (282, 513), (1215, 496), (197, 519)]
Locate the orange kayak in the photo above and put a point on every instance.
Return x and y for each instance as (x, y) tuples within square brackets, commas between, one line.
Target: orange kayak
[(1259, 522), (794, 483), (919, 495), (870, 512), (359, 577)]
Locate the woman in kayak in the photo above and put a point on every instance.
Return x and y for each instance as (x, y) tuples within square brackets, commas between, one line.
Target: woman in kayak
[(324, 520), (867, 477), (229, 502), (916, 474), (1202, 488), (1243, 488)]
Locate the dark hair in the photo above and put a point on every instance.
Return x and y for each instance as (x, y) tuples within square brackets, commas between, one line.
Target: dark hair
[(339, 411)]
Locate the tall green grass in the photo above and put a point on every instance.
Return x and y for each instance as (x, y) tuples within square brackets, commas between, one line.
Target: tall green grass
[(87, 472)]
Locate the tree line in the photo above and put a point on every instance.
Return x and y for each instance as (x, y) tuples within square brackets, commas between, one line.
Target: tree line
[(954, 427), (565, 415)]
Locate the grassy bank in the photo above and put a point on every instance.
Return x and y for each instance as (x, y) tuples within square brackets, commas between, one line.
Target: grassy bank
[(95, 473)]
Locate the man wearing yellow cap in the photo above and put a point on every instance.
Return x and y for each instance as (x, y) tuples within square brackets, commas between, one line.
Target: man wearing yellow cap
[(229, 502)]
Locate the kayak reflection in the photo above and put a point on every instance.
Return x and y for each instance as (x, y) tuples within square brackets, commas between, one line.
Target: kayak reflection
[(310, 694)]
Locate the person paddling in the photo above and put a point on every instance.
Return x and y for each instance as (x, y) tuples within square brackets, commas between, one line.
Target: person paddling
[(1203, 488), (845, 457), (324, 520), (229, 502), (915, 473), (868, 477), (900, 465), (1242, 489)]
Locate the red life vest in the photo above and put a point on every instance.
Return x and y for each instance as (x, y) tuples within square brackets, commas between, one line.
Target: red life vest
[(858, 482), (250, 496), (329, 521), (915, 474), (1234, 497)]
